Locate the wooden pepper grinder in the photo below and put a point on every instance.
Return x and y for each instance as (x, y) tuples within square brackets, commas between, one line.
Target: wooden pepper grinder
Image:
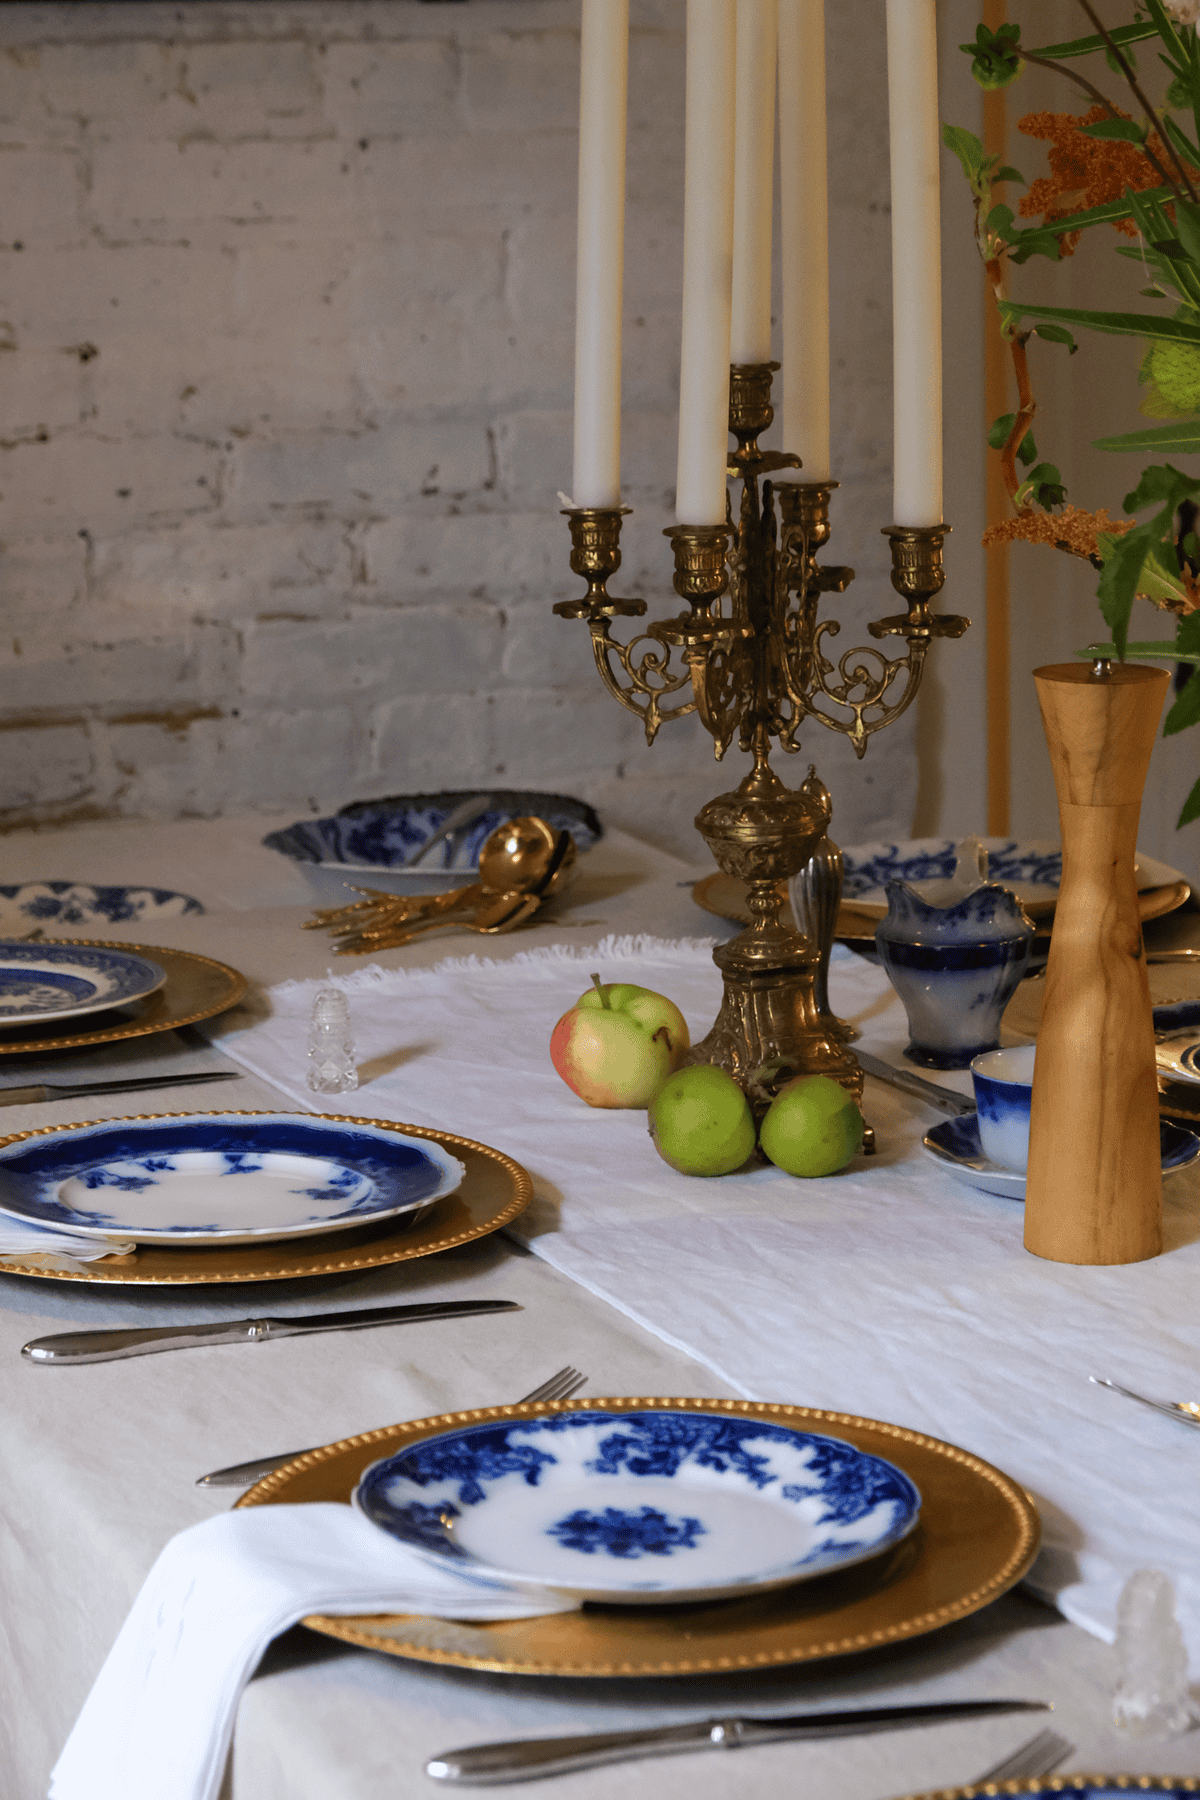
[(1094, 1189)]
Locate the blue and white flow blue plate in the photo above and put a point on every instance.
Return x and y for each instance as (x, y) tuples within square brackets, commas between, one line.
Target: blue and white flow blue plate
[(60, 903), (222, 1178), (1030, 868), (63, 981), (652, 1508), (955, 1144)]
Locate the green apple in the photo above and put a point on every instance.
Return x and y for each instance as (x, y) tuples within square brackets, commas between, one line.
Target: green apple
[(618, 1044), (701, 1121), (812, 1127)]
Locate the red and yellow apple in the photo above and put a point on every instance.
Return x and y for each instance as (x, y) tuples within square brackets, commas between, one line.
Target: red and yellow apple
[(618, 1044)]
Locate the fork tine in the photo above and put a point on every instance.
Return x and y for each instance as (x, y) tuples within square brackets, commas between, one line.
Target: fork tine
[(559, 1386), (1039, 1756)]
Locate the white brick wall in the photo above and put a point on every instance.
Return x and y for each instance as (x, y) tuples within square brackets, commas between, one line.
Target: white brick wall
[(286, 298)]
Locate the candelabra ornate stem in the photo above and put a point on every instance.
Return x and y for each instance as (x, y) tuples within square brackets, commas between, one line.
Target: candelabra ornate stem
[(756, 668)]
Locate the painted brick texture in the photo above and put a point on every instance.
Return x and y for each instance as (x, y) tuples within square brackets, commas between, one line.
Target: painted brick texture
[(286, 342)]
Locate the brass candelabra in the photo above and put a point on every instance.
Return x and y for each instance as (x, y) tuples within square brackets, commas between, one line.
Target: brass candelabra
[(757, 669)]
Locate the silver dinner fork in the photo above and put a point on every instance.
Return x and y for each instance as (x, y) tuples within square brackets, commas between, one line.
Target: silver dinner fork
[(242, 1474), (1186, 1410), (1039, 1756)]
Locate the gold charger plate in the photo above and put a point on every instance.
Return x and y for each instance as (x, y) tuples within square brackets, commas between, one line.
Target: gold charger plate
[(1066, 1784), (494, 1190), (725, 896), (196, 988), (977, 1535)]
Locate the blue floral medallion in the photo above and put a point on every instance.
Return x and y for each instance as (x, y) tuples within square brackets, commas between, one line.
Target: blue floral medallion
[(47, 982), (60, 903), (644, 1506)]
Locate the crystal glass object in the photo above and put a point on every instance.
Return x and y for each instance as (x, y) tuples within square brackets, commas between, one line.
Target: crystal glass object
[(331, 1045)]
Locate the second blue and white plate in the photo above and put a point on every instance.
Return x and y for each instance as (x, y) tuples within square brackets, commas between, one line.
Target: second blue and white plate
[(40, 983), (222, 1178), (656, 1507), (955, 1144)]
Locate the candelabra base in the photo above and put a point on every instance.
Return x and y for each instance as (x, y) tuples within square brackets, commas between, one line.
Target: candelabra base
[(769, 1028)]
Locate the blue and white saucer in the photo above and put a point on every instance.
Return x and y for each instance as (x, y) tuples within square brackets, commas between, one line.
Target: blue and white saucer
[(1030, 868), (221, 1178), (651, 1508), (63, 981), (955, 1144), (60, 903)]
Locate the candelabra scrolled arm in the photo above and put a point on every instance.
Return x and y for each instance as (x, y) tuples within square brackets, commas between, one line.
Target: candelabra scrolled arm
[(859, 685), (648, 675)]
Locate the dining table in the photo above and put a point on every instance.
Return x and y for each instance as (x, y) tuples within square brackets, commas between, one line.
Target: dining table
[(890, 1291)]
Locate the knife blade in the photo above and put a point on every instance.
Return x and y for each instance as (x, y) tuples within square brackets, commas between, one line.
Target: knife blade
[(945, 1099), (524, 1759), (108, 1346), (48, 1090)]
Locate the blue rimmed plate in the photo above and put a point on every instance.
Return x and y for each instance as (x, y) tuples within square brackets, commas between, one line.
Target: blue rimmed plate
[(1030, 868), (83, 903), (955, 1144), (1077, 1787), (40, 982), (650, 1508), (222, 1178)]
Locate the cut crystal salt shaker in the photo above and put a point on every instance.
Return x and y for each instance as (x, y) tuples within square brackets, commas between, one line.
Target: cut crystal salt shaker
[(1151, 1698), (331, 1045)]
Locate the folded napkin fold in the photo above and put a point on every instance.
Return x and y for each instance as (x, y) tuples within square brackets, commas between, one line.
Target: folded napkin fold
[(160, 1717), (21, 1237)]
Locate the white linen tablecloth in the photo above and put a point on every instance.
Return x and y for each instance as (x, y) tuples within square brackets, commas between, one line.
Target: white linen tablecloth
[(891, 1290)]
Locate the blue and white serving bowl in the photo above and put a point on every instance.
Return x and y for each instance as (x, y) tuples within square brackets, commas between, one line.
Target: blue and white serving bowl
[(222, 1178), (59, 903), (368, 843), (649, 1507)]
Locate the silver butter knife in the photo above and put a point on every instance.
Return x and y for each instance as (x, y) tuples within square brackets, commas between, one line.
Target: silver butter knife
[(524, 1759), (107, 1346), (48, 1090), (943, 1098)]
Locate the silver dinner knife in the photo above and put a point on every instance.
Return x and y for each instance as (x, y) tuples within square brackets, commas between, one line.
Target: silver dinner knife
[(525, 1759), (107, 1346), (67, 1090), (943, 1098)]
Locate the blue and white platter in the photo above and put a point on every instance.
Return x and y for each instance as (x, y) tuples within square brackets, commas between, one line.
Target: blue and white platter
[(60, 903), (1030, 868), (222, 1178), (1078, 1787), (640, 1508), (955, 1144), (63, 981)]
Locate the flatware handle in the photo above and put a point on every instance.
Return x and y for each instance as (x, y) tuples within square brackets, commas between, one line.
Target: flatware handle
[(112, 1346)]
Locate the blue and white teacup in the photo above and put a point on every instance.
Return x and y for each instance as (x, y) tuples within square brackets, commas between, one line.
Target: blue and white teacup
[(1003, 1082)]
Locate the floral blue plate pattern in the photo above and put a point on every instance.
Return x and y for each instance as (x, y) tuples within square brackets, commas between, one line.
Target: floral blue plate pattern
[(222, 1178), (1031, 868), (646, 1508), (81, 903), (62, 981), (955, 1144)]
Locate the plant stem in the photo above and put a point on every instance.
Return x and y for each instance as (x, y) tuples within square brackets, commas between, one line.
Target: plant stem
[(1145, 105), (605, 1002)]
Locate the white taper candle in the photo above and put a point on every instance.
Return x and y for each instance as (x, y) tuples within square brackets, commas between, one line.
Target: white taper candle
[(707, 263), (604, 75), (753, 180), (916, 262), (804, 233)]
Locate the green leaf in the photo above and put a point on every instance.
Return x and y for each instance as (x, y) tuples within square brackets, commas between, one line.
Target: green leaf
[(995, 60), (1124, 34), (1125, 129), (1161, 485), (1191, 808), (1056, 334), (1181, 436), (1186, 710), (1041, 240), (1187, 638), (997, 437), (1114, 61), (1123, 560), (1008, 173), (967, 147), (1047, 487), (1118, 324), (999, 219), (1160, 648)]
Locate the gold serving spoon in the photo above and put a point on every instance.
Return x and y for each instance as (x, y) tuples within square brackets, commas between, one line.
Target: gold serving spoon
[(521, 864)]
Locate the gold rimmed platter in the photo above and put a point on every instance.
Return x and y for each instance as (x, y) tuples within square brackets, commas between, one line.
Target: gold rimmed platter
[(493, 1191), (196, 988), (1070, 1784), (977, 1536)]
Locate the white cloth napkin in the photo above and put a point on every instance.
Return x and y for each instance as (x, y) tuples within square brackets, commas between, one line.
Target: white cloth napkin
[(159, 1721), (892, 1289), (21, 1237)]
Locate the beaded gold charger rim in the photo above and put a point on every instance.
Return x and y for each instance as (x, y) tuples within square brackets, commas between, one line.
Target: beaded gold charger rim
[(1067, 1784), (197, 987), (493, 1191), (978, 1534)]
